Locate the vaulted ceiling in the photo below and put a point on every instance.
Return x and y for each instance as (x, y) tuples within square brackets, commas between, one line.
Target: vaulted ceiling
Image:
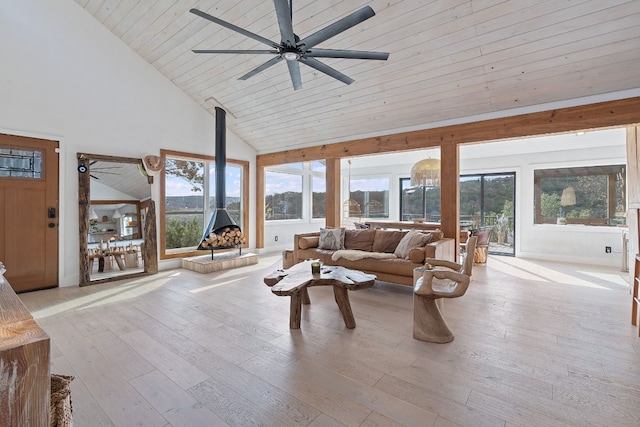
[(449, 59)]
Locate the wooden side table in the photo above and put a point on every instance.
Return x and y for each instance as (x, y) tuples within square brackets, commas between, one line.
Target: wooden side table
[(295, 281)]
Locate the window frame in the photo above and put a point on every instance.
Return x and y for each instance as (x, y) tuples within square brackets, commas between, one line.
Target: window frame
[(570, 173)]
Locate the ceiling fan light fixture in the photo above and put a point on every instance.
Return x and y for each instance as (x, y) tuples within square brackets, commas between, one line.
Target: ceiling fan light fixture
[(291, 56)]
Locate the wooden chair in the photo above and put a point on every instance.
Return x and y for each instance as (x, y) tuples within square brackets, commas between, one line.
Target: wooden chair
[(482, 244), (451, 281)]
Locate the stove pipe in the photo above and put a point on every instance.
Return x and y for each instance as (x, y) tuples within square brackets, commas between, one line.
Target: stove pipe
[(220, 219), (221, 158)]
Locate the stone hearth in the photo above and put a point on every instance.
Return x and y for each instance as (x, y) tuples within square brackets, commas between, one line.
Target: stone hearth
[(221, 261)]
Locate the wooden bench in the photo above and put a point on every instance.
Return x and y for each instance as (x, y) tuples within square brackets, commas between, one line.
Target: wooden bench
[(295, 281)]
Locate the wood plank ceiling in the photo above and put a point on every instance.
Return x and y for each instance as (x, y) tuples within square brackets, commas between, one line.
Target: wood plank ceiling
[(449, 59)]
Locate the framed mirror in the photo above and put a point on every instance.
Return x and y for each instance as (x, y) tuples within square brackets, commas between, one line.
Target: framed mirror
[(117, 219)]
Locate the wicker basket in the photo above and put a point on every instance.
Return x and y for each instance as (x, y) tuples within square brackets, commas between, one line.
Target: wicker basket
[(61, 401)]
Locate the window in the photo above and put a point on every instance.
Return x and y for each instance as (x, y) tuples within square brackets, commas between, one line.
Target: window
[(19, 163), (188, 199), (184, 203), (233, 191), (418, 202), (295, 191), (318, 190), (592, 195), (372, 195), (283, 196)]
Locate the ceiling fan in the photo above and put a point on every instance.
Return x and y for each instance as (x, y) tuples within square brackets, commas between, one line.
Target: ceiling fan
[(295, 50), (101, 170)]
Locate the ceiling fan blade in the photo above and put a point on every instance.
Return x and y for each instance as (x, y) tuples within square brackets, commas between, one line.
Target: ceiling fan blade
[(284, 22), (234, 51), (263, 67), (349, 54), (294, 72), (323, 68), (233, 27), (337, 27)]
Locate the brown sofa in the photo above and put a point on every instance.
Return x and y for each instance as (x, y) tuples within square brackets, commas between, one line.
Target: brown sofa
[(395, 270)]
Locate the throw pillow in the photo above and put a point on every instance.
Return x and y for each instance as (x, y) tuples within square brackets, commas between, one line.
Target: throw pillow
[(331, 238), (403, 246), (413, 239), (387, 240)]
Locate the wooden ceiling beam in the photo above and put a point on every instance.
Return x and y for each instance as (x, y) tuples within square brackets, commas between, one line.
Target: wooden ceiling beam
[(621, 112)]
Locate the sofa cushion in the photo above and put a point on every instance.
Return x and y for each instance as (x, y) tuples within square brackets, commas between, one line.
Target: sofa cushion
[(413, 239), (394, 265), (361, 239), (331, 238), (308, 242), (387, 240), (323, 255)]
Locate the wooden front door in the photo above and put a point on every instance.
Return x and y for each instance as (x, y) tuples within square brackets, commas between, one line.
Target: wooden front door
[(29, 212)]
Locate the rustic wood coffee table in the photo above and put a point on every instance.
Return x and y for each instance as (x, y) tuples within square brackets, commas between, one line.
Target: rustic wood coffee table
[(295, 281)]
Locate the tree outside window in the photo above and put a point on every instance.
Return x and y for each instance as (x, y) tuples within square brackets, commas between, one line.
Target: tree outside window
[(184, 202)]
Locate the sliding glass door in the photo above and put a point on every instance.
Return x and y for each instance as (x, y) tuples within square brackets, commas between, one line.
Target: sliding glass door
[(488, 200), (485, 200)]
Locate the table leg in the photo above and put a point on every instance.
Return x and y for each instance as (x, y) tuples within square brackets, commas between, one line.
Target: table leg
[(100, 264), (342, 299), (118, 261), (295, 310), (304, 294)]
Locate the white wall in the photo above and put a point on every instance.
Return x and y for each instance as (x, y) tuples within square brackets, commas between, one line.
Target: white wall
[(566, 243), (65, 77)]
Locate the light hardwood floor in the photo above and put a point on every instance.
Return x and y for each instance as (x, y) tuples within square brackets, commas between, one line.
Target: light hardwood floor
[(537, 344)]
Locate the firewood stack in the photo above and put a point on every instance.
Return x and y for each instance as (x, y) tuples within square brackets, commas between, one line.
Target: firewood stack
[(227, 237)]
